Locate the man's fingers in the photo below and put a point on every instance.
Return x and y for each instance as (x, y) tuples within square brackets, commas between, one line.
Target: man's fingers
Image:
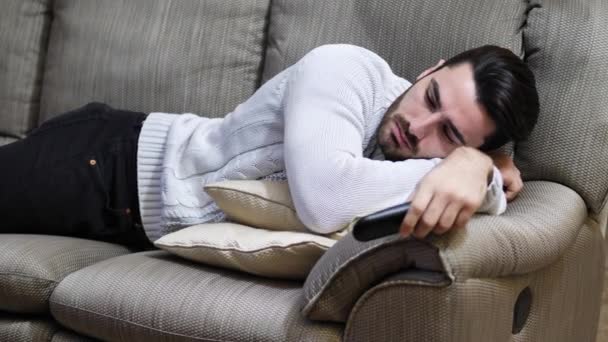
[(463, 217), (418, 205), (447, 220), (513, 189), (510, 194), (430, 217)]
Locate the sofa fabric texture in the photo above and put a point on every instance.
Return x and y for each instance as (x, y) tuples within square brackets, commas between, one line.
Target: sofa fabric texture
[(206, 57), (544, 212), (154, 55), (346, 271), (481, 309), (26, 329), (410, 35), (67, 336), (31, 266), (570, 142), (23, 38), (153, 296), (537, 228)]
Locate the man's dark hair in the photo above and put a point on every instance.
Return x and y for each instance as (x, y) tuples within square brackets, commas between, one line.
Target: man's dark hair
[(506, 89)]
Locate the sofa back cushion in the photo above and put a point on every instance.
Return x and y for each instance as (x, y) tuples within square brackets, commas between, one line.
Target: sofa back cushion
[(411, 35), (567, 45), (181, 56), (23, 38)]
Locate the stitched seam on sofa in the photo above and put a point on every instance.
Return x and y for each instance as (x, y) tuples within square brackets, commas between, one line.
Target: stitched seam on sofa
[(361, 301), (137, 324), (248, 251), (251, 194), (264, 45)]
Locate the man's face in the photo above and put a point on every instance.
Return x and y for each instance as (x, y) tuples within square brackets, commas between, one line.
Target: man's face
[(436, 114)]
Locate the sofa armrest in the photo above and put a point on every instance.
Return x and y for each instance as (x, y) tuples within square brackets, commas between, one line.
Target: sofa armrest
[(535, 231), (349, 268)]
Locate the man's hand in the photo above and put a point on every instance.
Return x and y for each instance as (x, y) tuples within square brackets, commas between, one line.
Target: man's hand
[(450, 194), (510, 174)]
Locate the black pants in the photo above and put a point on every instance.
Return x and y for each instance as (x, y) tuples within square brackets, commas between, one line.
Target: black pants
[(75, 175)]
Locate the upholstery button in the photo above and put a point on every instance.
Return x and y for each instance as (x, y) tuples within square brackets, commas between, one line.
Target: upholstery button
[(128, 210), (93, 162)]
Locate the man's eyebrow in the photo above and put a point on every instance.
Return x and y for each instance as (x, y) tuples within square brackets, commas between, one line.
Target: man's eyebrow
[(436, 97)]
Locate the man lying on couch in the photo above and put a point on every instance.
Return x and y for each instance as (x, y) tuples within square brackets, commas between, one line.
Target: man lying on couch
[(349, 135)]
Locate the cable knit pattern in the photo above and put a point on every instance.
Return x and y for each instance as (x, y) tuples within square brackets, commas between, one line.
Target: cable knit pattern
[(314, 123)]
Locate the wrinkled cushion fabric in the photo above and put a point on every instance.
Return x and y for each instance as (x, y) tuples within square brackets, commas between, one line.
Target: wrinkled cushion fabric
[(257, 203), (24, 28), (262, 204), (31, 266), (566, 44), (262, 252), (195, 56), (411, 35), (157, 296)]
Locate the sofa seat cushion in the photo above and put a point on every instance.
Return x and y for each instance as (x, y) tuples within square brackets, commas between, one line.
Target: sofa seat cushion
[(154, 295), (35, 328), (32, 265), (18, 328)]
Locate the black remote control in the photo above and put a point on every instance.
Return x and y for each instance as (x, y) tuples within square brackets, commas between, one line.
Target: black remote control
[(381, 223)]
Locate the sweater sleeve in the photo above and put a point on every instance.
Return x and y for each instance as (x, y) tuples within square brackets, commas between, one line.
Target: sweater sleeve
[(328, 95)]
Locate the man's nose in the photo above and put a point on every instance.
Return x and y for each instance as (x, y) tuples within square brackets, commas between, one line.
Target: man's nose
[(421, 127)]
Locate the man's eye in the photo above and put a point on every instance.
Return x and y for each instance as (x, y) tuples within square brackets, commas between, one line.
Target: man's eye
[(446, 133), (429, 102)]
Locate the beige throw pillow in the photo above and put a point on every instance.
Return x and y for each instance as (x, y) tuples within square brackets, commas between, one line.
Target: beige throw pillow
[(262, 252), (261, 204), (257, 203)]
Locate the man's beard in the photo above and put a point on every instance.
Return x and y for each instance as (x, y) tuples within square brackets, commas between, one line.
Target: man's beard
[(390, 152)]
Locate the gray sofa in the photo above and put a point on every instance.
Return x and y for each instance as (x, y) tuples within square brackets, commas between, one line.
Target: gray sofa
[(532, 274)]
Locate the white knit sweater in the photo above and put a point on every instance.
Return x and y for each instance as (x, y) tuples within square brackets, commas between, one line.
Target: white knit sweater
[(314, 123)]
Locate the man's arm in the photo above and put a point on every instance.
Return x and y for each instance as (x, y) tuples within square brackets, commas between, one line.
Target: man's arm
[(328, 94)]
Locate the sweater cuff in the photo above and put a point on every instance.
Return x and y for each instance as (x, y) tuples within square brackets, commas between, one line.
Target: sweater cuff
[(495, 201), (150, 156)]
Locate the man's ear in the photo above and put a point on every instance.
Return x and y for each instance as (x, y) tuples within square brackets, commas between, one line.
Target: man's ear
[(431, 69)]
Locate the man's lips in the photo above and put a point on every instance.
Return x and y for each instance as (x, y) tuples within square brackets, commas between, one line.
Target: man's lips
[(400, 136)]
